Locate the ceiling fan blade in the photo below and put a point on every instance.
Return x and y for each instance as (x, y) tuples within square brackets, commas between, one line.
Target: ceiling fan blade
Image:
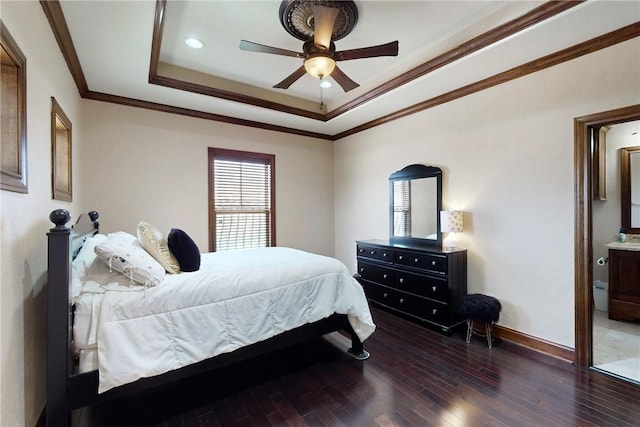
[(323, 20), (388, 49), (288, 81), (343, 80), (257, 47)]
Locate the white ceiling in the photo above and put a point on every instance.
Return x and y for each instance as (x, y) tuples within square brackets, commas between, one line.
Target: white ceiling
[(113, 41)]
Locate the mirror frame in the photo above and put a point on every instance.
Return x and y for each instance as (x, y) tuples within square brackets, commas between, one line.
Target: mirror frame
[(411, 172), (625, 186)]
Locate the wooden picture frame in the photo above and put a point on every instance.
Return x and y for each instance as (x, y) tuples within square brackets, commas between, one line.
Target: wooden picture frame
[(13, 115), (61, 182)]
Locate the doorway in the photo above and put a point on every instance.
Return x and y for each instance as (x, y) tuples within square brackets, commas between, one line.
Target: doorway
[(583, 131)]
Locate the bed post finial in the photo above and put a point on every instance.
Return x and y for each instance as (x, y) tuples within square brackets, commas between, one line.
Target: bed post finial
[(59, 217), (93, 215)]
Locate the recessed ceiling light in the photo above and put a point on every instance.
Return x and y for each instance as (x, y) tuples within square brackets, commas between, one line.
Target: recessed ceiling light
[(193, 43), (325, 84)]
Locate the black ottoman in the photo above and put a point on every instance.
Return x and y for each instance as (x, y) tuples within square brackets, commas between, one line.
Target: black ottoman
[(480, 308)]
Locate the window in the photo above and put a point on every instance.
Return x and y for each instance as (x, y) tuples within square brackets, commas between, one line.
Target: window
[(402, 208), (241, 200)]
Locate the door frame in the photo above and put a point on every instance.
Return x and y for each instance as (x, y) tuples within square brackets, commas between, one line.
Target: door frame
[(583, 355)]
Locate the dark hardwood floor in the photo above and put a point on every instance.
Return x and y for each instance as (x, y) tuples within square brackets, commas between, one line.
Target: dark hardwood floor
[(415, 377)]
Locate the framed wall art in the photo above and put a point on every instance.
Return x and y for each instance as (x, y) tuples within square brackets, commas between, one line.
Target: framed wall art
[(60, 153), (13, 114)]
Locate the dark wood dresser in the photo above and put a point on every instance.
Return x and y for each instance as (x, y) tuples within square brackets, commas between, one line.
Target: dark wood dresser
[(424, 283), (624, 285)]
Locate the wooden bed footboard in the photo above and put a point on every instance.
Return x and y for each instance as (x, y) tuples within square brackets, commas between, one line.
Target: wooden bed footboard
[(68, 390)]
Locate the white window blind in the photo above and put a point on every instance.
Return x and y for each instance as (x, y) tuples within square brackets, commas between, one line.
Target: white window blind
[(402, 208), (242, 202)]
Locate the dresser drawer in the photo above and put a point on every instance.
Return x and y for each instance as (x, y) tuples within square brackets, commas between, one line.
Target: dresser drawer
[(433, 263), (375, 273), (377, 293), (373, 252), (430, 287), (420, 307), (423, 283)]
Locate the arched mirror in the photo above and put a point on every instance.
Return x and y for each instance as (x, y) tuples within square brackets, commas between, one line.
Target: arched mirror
[(630, 184), (415, 201)]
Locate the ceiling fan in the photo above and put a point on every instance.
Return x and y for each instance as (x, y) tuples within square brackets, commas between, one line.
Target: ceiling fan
[(323, 21)]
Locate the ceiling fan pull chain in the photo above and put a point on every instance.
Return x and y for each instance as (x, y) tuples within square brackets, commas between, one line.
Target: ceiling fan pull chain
[(321, 97)]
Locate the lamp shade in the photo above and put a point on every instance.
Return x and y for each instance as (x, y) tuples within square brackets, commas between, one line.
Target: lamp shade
[(451, 221), (319, 66)]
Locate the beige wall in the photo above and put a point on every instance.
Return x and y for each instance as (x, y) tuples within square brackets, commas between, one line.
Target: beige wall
[(507, 159), (151, 166), (24, 220)]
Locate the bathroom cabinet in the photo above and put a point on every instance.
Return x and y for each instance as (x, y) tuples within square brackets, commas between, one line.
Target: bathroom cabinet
[(624, 284)]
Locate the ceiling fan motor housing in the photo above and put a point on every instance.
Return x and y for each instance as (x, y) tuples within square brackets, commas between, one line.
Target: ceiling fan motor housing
[(296, 16)]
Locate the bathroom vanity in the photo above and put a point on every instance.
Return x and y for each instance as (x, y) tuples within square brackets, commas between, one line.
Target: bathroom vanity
[(624, 281), (624, 257)]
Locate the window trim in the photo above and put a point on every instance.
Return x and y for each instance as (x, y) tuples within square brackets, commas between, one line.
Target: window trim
[(237, 155)]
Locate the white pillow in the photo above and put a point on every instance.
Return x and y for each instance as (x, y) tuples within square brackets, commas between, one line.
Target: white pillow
[(122, 252), (154, 242), (82, 263)]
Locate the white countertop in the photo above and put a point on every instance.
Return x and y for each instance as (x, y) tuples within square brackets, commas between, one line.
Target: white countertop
[(628, 246)]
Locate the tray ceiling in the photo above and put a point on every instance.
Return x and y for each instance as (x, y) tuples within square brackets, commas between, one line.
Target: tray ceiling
[(134, 51)]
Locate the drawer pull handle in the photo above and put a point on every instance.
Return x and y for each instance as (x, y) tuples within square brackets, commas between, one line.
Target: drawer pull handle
[(400, 257), (361, 251), (434, 288), (416, 260), (384, 276), (384, 254), (401, 300), (385, 295), (361, 269), (401, 280), (433, 263), (435, 310), (373, 252)]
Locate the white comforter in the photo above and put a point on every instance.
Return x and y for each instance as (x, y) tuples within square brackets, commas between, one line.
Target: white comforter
[(236, 298)]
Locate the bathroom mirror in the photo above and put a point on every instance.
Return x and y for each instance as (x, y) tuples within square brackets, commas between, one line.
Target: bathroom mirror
[(415, 201), (630, 186)]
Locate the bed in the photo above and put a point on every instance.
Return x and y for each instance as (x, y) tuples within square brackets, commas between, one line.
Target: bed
[(109, 336)]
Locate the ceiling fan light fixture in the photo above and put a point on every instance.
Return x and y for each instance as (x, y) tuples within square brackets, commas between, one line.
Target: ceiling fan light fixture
[(319, 66), (321, 17)]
